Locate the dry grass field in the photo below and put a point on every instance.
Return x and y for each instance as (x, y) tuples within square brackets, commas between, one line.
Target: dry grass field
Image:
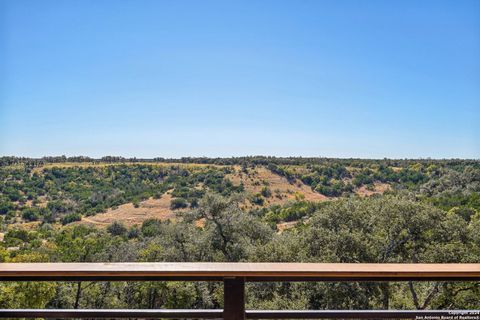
[(282, 190), (130, 215), (379, 188)]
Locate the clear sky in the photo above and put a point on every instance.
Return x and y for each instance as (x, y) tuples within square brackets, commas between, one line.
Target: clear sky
[(336, 78)]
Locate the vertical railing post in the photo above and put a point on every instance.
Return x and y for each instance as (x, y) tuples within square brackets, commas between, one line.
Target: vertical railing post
[(234, 298)]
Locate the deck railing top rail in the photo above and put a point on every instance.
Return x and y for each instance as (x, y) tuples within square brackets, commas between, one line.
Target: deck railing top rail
[(248, 271), (234, 276)]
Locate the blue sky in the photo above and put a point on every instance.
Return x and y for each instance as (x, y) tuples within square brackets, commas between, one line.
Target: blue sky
[(368, 79)]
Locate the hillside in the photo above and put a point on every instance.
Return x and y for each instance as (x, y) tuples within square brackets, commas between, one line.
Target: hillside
[(240, 209), (256, 182), (99, 192)]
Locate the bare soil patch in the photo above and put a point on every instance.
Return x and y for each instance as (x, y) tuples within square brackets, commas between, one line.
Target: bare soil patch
[(129, 215)]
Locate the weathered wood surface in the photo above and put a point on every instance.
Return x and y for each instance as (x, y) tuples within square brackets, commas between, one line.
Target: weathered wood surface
[(248, 271)]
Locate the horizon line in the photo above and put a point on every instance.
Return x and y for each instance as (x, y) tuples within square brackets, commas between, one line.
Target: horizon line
[(158, 158)]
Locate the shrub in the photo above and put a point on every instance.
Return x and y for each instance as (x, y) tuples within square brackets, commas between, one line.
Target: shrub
[(266, 192), (117, 229), (151, 227), (6, 207), (134, 232), (178, 203), (257, 199), (31, 214), (72, 217)]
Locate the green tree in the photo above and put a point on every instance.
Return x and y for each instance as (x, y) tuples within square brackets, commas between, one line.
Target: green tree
[(117, 229)]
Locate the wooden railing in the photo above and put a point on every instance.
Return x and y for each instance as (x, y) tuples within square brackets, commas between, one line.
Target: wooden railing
[(234, 276)]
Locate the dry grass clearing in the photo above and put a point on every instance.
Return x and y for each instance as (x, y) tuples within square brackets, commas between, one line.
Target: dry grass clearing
[(379, 188), (129, 215), (282, 226), (282, 190)]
